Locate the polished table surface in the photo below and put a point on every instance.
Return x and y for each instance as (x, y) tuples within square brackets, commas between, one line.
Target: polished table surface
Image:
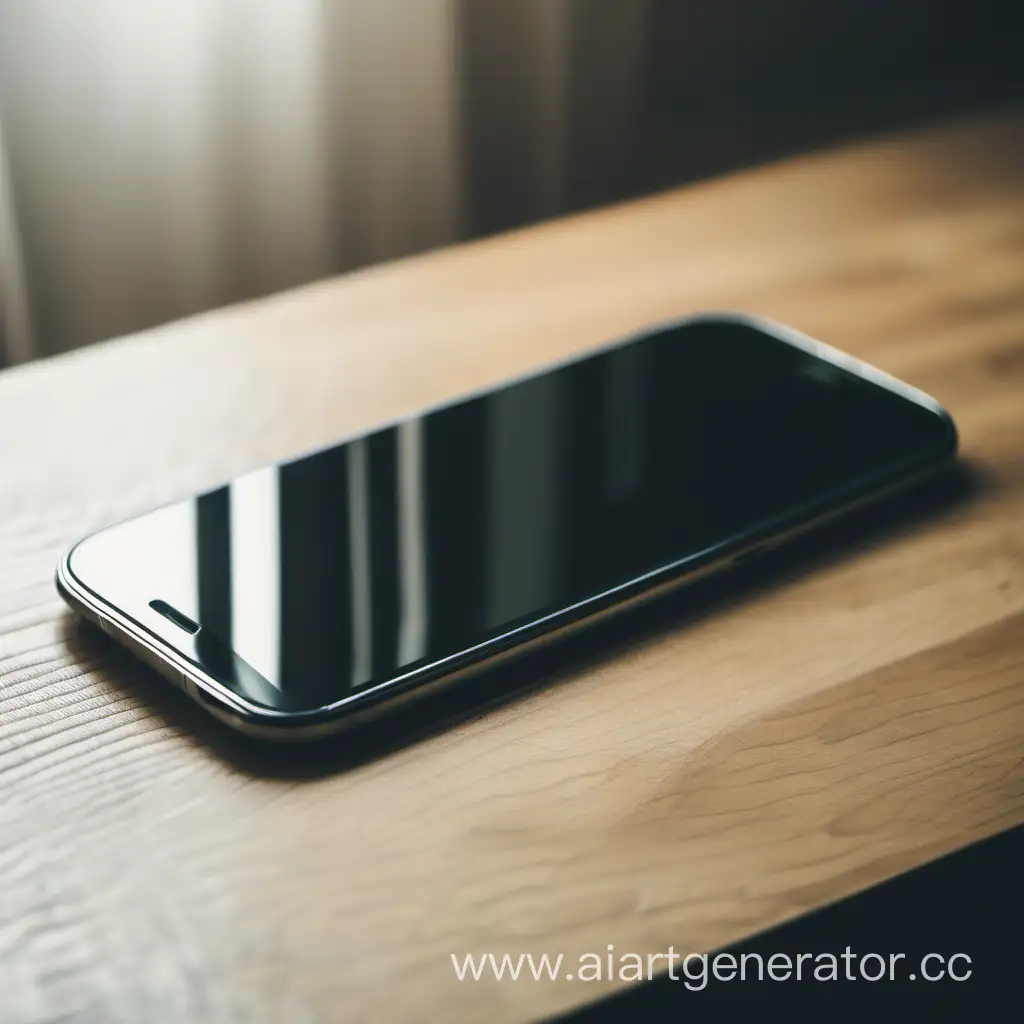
[(726, 763)]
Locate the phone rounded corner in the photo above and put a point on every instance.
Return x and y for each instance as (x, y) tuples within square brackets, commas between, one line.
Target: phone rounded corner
[(67, 580), (725, 315), (951, 433), (62, 572), (60, 575)]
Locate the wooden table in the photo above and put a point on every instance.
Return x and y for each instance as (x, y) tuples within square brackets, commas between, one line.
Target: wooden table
[(704, 778)]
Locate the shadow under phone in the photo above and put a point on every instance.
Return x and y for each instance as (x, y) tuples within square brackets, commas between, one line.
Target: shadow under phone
[(938, 496)]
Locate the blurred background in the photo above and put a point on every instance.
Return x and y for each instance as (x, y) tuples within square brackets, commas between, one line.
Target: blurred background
[(164, 157)]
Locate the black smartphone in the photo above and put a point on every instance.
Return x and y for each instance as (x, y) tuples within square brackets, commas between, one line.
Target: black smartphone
[(303, 597)]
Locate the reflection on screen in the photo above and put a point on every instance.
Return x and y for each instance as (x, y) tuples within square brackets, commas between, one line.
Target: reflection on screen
[(345, 567)]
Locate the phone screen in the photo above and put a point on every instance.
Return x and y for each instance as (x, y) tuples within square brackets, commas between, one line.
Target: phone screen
[(356, 564)]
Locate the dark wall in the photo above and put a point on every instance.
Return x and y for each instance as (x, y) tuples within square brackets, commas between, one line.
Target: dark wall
[(736, 81), (726, 83)]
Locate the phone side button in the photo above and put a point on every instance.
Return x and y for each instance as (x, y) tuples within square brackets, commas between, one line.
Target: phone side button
[(189, 685)]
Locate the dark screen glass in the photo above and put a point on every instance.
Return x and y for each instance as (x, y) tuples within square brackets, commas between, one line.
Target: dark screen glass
[(350, 566)]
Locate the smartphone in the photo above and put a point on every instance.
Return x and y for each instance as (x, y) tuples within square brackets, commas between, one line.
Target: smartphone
[(305, 597)]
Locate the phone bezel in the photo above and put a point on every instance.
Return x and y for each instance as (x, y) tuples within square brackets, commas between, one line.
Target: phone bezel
[(254, 719)]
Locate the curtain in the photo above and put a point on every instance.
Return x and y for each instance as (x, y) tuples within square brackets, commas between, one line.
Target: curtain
[(161, 158)]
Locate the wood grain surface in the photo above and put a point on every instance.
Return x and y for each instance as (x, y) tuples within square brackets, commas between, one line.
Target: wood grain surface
[(732, 761)]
